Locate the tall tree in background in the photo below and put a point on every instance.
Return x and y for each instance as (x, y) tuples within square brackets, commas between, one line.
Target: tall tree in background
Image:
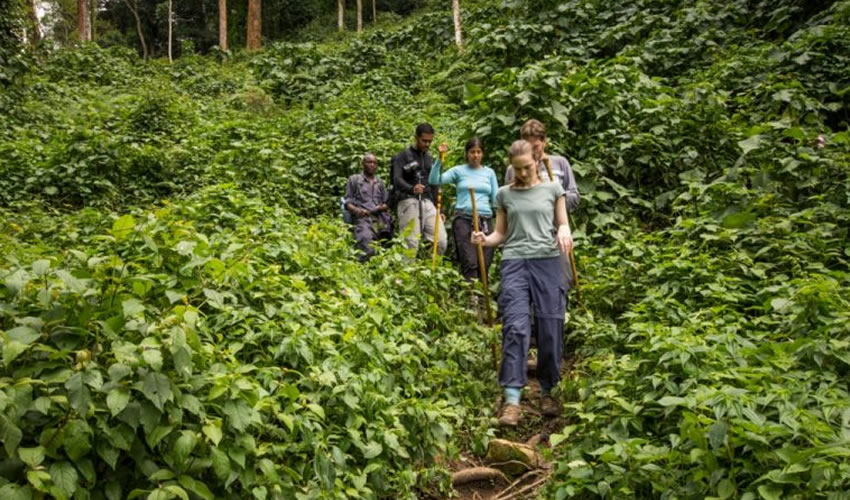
[(255, 24), (374, 13), (84, 20), (36, 26), (359, 16), (458, 30), (222, 24), (134, 8), (341, 14), (170, 25)]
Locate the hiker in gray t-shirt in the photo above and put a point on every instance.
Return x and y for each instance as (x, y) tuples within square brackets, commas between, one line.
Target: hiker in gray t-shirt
[(534, 132), (531, 221)]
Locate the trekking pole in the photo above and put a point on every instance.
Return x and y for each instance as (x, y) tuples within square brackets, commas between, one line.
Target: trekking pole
[(437, 217), (421, 225), (572, 256)]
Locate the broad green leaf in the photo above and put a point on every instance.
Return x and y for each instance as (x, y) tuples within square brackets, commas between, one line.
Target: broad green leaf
[(23, 334), (113, 490), (11, 351), (770, 492), (108, 453), (184, 445), (671, 401), (118, 371), (86, 468), (717, 434), (160, 494), (132, 307), (177, 491), (31, 456), (157, 388), (41, 267), (74, 284), (76, 439), (117, 400), (220, 463), (750, 143), (14, 492), (78, 394), (372, 450), (725, 489), (213, 432), (158, 434), (196, 487), (238, 414), (161, 475), (64, 475), (153, 357), (123, 227)]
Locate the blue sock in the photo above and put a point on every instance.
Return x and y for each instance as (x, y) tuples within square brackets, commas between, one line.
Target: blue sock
[(512, 395)]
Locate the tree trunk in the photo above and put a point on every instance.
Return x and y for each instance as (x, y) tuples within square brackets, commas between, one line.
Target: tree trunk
[(359, 16), (131, 4), (93, 17), (83, 20), (222, 24), (458, 30), (170, 33), (36, 26), (341, 14), (374, 13), (255, 24)]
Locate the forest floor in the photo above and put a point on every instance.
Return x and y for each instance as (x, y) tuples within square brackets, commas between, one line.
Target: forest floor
[(534, 429)]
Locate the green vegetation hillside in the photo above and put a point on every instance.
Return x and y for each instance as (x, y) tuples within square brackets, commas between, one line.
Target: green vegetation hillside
[(183, 316)]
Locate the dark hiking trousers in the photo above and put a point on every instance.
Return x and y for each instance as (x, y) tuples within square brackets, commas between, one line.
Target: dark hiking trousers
[(467, 253), (365, 233), (539, 282)]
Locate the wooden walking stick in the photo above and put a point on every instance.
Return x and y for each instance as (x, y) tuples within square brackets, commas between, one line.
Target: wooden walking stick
[(482, 271), (437, 217), (572, 255)]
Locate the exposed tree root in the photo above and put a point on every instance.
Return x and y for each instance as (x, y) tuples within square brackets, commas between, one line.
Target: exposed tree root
[(473, 474)]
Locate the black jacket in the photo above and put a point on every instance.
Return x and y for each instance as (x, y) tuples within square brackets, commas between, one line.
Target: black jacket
[(403, 179)]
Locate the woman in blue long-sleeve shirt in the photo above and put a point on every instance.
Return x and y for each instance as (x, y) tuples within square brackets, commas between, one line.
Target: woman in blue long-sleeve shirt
[(483, 180)]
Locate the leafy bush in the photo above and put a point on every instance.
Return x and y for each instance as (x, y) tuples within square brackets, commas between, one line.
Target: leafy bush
[(238, 354)]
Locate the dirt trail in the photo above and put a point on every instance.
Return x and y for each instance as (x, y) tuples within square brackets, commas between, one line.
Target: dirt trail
[(533, 429)]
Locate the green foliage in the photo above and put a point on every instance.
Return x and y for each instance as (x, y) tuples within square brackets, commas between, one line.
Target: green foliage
[(225, 344), (220, 346)]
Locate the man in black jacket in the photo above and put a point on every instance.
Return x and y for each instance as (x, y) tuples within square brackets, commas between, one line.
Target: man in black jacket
[(410, 169)]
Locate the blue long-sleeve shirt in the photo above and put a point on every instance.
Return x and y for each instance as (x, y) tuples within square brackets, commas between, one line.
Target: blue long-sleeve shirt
[(482, 179)]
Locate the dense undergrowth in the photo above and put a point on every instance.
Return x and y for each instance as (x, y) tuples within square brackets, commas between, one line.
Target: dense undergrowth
[(219, 340)]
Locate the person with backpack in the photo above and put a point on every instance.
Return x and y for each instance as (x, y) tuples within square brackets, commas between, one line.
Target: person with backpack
[(534, 131), (482, 179), (531, 221), (412, 193), (366, 200)]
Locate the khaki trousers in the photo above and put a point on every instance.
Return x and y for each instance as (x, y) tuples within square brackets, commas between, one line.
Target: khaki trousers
[(408, 213)]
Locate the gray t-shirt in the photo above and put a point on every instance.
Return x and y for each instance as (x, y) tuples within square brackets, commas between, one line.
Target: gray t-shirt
[(531, 220), (563, 173)]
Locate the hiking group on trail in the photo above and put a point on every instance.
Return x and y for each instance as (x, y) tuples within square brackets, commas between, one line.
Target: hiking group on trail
[(527, 217)]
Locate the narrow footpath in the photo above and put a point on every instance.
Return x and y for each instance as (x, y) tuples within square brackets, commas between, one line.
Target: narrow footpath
[(513, 480)]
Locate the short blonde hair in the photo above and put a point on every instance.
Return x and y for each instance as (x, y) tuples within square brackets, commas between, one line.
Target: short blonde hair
[(533, 128), (520, 147)]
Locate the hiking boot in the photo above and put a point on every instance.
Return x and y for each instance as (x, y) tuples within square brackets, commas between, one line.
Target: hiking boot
[(549, 406), (510, 415)]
